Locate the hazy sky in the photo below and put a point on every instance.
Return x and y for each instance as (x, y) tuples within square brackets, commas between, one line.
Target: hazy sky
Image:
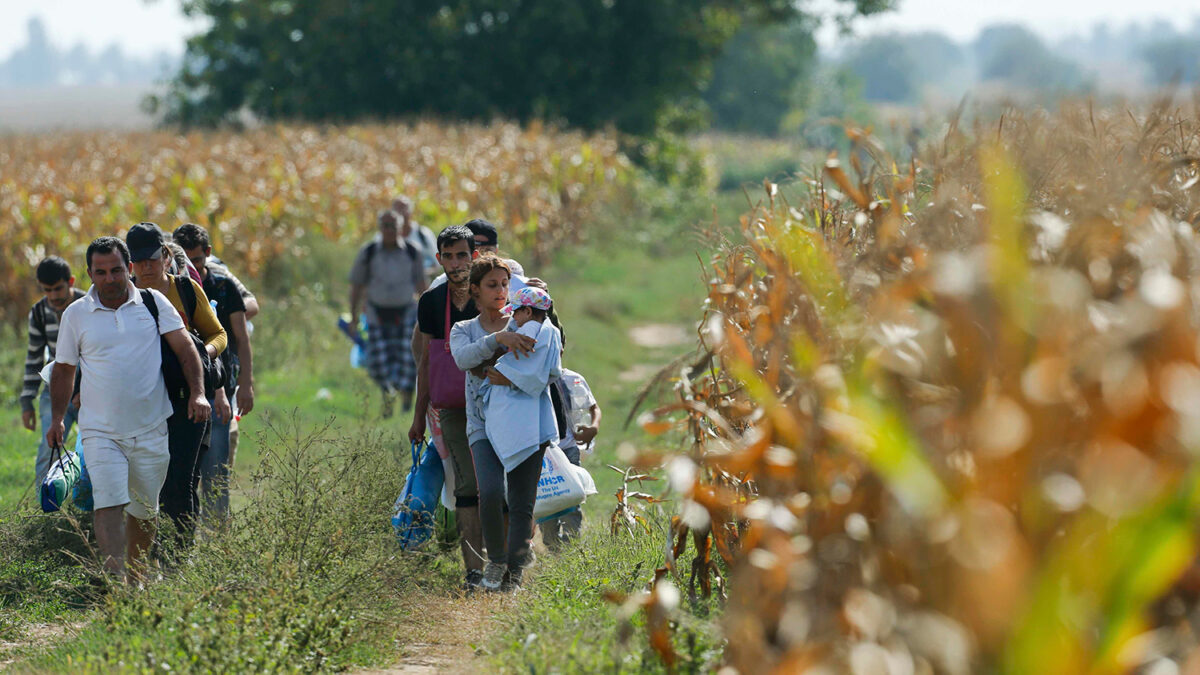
[(140, 27), (143, 28), (962, 19)]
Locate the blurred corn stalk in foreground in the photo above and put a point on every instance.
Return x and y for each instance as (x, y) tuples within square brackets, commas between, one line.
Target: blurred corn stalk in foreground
[(947, 417)]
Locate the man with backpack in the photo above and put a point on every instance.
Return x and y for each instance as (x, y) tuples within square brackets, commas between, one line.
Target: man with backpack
[(189, 440), (215, 465), (114, 338), (388, 274), (420, 236)]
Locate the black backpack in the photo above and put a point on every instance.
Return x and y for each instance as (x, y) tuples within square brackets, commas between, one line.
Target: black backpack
[(218, 371), (228, 357), (172, 369)]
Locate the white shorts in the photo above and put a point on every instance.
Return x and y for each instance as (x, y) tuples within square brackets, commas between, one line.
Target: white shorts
[(128, 472)]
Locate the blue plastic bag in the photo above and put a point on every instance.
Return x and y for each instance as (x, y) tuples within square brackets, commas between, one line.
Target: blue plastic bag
[(413, 511), (357, 334), (81, 494)]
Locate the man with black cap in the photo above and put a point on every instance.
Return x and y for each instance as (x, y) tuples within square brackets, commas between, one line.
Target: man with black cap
[(189, 439)]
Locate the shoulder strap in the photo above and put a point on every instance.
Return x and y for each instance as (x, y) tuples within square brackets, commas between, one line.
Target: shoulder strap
[(187, 295), (447, 333), (413, 253), (369, 254), (151, 306), (564, 390)]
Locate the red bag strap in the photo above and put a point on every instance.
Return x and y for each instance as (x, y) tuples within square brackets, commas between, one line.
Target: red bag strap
[(446, 335)]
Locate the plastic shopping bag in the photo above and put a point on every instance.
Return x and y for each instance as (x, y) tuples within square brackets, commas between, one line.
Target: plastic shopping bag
[(433, 424), (561, 487), (81, 495), (59, 480), (354, 331), (413, 511)]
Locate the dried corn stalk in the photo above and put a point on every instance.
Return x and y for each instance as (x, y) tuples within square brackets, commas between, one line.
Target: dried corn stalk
[(954, 413)]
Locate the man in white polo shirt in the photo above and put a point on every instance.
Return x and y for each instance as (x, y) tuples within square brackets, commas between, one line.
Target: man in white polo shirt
[(111, 335)]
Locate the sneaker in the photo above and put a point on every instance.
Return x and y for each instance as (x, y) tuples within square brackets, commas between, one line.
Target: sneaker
[(473, 581), (512, 580), (493, 576)]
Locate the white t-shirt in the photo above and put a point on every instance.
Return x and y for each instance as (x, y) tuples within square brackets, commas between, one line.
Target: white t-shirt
[(122, 394), (581, 404)]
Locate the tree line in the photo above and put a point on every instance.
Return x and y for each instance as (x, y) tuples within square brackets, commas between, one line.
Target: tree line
[(631, 65)]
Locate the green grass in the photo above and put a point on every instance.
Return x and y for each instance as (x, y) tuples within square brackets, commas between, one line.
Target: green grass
[(563, 622)]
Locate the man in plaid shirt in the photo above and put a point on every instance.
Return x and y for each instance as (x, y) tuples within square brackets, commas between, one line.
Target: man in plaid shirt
[(55, 279)]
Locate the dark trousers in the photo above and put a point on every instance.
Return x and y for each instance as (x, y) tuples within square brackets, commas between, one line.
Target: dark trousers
[(179, 497), (522, 492)]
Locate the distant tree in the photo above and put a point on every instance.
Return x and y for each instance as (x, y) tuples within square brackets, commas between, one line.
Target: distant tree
[(937, 56), (1013, 54), (757, 79), (34, 64), (896, 66), (887, 67), (588, 62), (1173, 59)]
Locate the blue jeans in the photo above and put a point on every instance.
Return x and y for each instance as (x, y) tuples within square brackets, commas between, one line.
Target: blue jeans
[(214, 472), (42, 465)]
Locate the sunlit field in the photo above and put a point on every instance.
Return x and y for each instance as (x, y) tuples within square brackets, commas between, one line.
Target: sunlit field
[(270, 193)]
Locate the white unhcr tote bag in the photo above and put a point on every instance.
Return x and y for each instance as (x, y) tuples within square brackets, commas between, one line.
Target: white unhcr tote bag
[(562, 485)]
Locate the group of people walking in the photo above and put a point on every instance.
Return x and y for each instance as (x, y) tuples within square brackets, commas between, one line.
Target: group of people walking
[(154, 365), (489, 387)]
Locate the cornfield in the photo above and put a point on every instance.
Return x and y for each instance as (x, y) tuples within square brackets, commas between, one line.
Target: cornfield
[(259, 192), (946, 413)]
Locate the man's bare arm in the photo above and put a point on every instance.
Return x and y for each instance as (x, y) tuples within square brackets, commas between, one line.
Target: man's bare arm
[(420, 346), (245, 383), (356, 298), (62, 383)]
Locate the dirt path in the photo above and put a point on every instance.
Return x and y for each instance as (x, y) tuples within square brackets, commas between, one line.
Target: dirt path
[(660, 335), (447, 634), (656, 336), (36, 635)]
